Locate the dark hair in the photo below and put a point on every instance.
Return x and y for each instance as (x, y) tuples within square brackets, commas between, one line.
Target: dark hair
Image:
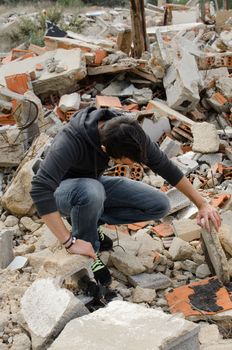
[(124, 137)]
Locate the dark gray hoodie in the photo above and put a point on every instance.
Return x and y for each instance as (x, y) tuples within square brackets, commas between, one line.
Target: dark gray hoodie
[(76, 152)]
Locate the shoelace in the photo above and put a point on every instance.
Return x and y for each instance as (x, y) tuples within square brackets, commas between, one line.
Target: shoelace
[(97, 265), (101, 235)]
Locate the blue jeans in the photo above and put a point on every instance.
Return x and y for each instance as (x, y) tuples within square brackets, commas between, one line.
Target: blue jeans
[(112, 200)]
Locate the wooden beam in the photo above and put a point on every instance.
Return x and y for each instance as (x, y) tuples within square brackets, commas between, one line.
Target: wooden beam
[(138, 27)]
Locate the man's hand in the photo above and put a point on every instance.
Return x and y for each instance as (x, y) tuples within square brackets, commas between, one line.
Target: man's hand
[(206, 214), (83, 248)]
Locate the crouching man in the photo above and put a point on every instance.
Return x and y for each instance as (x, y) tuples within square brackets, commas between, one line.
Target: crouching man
[(70, 183)]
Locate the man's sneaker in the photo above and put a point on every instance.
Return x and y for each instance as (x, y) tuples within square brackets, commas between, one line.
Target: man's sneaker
[(101, 273), (105, 242)]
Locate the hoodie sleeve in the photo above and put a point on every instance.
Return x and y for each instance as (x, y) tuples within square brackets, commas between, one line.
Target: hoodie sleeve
[(159, 163), (58, 161)]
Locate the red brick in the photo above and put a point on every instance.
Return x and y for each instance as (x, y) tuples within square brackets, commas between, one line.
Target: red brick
[(107, 101), (163, 230), (100, 54), (219, 200), (19, 83)]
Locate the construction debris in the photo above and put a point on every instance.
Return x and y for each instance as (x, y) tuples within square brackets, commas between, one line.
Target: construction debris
[(170, 68)]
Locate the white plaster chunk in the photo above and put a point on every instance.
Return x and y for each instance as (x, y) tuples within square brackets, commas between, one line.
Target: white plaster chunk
[(46, 309), (205, 138), (125, 326)]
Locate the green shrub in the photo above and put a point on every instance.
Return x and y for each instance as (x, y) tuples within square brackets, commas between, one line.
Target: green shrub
[(76, 3), (53, 14), (29, 32)]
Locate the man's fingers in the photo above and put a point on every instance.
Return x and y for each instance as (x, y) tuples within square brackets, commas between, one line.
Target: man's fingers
[(198, 220), (215, 218), (206, 224)]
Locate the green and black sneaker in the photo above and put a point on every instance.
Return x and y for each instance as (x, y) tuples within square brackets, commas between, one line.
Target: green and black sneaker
[(105, 242), (101, 273)]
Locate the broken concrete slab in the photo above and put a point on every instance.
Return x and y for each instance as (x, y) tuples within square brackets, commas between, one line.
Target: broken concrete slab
[(216, 255), (180, 249), (12, 148), (225, 236), (181, 83), (187, 229), (61, 265), (72, 60), (6, 248), (119, 88), (203, 144), (211, 158), (185, 164), (156, 128), (157, 330), (143, 295), (46, 309), (171, 148), (17, 198), (150, 280), (177, 200), (147, 244), (126, 263)]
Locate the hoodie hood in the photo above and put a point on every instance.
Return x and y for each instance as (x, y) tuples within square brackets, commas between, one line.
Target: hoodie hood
[(86, 122)]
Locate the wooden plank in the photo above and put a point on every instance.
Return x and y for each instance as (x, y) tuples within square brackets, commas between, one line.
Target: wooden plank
[(169, 112), (145, 75), (216, 254), (174, 28), (109, 69)]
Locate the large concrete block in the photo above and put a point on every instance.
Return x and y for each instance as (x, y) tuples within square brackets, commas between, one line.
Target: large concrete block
[(181, 83), (150, 280), (6, 248), (46, 309), (187, 229), (126, 326)]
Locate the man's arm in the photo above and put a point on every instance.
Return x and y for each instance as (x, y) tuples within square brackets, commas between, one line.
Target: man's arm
[(206, 211), (56, 225)]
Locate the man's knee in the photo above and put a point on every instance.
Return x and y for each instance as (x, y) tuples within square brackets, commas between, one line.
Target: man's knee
[(161, 206), (92, 193)]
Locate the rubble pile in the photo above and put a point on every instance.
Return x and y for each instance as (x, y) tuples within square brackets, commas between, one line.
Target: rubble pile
[(180, 91)]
